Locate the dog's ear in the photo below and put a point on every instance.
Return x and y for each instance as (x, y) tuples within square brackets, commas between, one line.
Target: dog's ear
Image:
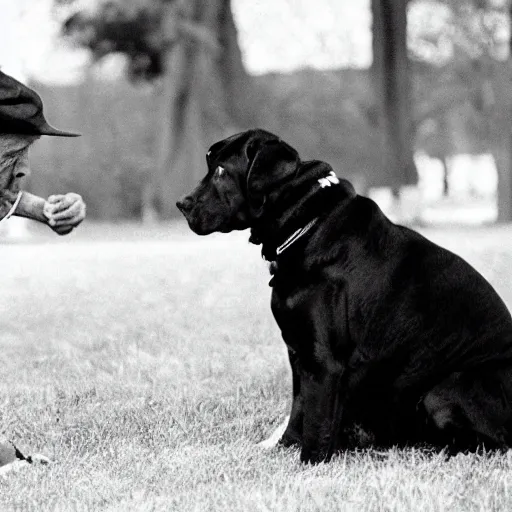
[(271, 164)]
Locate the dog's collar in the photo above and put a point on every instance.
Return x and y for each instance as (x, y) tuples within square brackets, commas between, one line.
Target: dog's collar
[(13, 207), (295, 236), (327, 181)]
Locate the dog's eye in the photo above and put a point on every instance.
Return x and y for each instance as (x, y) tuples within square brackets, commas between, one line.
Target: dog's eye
[(219, 171)]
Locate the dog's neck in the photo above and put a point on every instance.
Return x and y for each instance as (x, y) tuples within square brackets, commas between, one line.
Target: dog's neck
[(297, 209)]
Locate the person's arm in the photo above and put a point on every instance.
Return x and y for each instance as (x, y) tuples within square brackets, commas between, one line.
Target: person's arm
[(31, 207), (61, 212)]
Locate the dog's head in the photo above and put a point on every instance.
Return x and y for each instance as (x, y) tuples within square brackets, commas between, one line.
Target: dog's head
[(243, 170)]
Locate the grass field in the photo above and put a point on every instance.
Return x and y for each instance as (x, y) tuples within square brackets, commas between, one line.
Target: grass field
[(147, 365)]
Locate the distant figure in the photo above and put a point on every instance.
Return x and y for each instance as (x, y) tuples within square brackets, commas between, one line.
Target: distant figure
[(21, 123)]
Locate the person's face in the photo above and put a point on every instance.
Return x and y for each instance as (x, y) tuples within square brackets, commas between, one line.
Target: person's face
[(14, 169), (14, 166)]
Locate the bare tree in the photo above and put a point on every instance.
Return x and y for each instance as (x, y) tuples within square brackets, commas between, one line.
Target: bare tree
[(189, 49), (392, 82), (503, 131)]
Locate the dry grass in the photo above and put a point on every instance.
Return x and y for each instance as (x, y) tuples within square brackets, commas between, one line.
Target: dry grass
[(147, 365)]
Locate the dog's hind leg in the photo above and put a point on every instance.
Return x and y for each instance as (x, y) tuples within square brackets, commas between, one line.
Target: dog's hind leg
[(467, 412)]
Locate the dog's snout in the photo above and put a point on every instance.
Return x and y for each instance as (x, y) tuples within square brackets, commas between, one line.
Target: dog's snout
[(185, 204)]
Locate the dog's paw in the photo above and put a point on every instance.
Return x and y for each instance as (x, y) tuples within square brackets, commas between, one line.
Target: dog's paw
[(273, 440), (290, 440), (315, 454)]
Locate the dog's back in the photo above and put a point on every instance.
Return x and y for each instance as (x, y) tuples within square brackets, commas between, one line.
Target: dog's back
[(430, 333)]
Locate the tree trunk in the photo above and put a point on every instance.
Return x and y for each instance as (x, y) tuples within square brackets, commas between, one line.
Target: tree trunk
[(502, 160), (205, 95), (501, 135), (446, 182), (392, 83)]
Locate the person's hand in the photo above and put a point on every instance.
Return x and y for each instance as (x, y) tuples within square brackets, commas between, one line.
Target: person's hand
[(64, 212)]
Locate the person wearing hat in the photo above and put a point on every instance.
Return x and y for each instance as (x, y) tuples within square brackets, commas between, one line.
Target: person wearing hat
[(22, 122)]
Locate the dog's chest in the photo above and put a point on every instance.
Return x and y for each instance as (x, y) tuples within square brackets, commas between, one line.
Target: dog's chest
[(294, 317), (310, 317)]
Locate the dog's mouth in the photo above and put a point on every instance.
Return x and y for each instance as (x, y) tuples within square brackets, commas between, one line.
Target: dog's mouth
[(195, 221), (200, 228)]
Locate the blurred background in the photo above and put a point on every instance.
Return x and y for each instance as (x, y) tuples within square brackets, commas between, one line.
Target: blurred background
[(135, 353), (411, 100)]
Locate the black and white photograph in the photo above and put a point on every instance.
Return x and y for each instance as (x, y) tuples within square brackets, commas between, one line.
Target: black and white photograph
[(256, 255)]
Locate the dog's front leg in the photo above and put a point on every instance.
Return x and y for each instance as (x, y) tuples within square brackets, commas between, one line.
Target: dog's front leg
[(293, 433), (289, 433), (321, 409)]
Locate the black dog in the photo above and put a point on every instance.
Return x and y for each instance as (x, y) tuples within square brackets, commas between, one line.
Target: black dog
[(387, 333)]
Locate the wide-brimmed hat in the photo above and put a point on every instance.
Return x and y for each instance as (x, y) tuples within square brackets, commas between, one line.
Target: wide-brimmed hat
[(21, 110)]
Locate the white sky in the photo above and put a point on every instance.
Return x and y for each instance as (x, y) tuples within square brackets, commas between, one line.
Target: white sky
[(28, 46), (289, 34), (275, 35)]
